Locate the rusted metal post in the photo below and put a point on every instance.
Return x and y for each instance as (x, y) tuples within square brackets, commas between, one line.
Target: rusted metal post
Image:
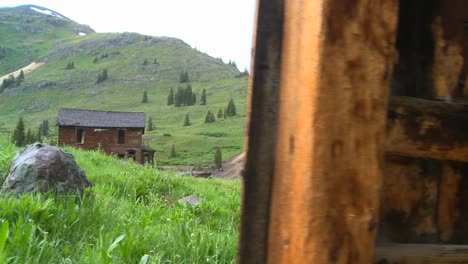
[(323, 141)]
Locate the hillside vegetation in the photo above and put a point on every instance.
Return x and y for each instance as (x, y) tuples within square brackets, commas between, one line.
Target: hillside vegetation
[(135, 63), (28, 34), (130, 215)]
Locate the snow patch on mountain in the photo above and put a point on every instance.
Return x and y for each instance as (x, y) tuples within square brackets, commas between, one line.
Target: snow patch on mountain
[(46, 12)]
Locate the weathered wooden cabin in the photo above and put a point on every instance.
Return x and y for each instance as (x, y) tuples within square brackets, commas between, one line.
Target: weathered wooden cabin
[(115, 133), (357, 148)]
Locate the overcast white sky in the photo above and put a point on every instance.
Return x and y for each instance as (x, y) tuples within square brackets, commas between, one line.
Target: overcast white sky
[(221, 28)]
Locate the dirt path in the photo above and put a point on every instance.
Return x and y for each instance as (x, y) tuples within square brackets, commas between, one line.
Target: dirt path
[(231, 168), (27, 69)]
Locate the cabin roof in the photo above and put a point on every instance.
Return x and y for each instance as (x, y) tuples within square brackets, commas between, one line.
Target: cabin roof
[(100, 119)]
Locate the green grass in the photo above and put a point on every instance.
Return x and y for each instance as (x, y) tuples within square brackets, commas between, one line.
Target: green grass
[(130, 215)]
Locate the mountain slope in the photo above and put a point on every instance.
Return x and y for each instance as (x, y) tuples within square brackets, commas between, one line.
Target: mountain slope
[(51, 87), (29, 32)]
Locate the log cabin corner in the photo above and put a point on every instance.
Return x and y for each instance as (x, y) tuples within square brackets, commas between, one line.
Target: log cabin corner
[(115, 133)]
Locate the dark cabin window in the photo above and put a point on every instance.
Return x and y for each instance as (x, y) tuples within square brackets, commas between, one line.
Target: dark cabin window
[(80, 136), (120, 136)]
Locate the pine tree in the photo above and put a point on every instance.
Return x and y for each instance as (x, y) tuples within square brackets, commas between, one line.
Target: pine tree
[(38, 135), (194, 98), (220, 113), (170, 97), (231, 108), (45, 127), (184, 77), (145, 97), (179, 97), (150, 124), (20, 77), (145, 62), (70, 65), (19, 137), (218, 158), (187, 120), (102, 76), (188, 98), (203, 97), (209, 118), (173, 152), (155, 61), (95, 60), (29, 137)]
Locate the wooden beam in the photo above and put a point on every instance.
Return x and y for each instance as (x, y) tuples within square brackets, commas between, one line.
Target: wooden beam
[(427, 129), (334, 85), (421, 254), (261, 135)]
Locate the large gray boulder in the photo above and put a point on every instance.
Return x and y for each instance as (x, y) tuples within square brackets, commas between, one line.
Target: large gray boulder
[(42, 168)]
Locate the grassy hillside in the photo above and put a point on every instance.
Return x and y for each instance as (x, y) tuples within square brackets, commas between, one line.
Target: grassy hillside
[(52, 87), (131, 215), (28, 35)]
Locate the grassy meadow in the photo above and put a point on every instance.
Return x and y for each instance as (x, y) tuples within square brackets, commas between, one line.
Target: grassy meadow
[(130, 215)]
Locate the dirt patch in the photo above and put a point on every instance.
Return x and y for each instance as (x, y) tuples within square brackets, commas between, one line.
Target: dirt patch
[(26, 70), (232, 169)]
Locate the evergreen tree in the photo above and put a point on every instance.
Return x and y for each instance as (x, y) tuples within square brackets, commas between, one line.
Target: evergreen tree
[(29, 137), (231, 108), (170, 97), (45, 127), (95, 60), (145, 62), (187, 120), (194, 98), (150, 126), (203, 97), (209, 118), (102, 76), (179, 97), (184, 77), (70, 65), (224, 114), (38, 135), (218, 158), (11, 80), (188, 95), (220, 113), (19, 137), (20, 77), (145, 97), (155, 61), (173, 152)]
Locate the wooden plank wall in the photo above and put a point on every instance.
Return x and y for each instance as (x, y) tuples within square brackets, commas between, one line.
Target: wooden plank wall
[(104, 139)]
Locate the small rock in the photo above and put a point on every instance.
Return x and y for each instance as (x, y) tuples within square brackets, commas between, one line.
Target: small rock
[(42, 168), (192, 199)]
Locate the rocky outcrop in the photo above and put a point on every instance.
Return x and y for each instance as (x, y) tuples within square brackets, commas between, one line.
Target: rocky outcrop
[(43, 168)]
